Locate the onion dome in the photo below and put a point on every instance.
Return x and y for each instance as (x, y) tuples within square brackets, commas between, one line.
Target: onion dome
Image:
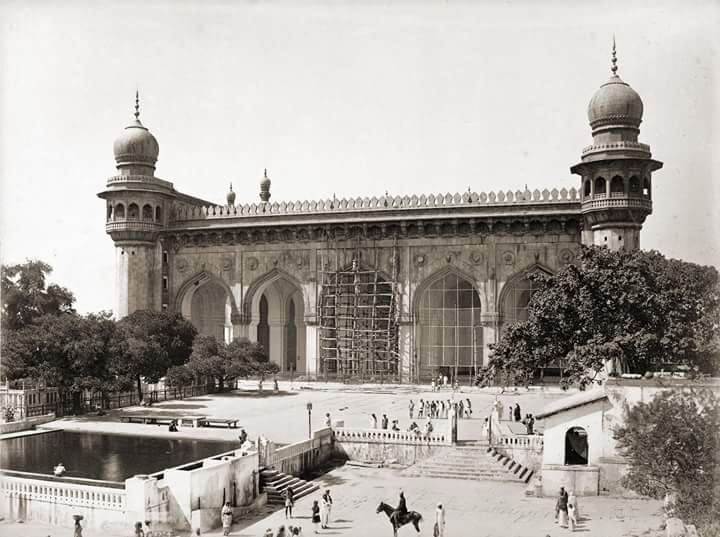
[(135, 145), (265, 187), (615, 103), (231, 197)]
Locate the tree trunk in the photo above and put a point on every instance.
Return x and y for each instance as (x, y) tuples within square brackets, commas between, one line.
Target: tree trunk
[(139, 388)]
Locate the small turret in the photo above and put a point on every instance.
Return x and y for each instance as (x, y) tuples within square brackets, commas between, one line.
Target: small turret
[(265, 188)]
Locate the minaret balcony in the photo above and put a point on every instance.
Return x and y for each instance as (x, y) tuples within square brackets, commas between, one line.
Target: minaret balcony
[(133, 225), (601, 201)]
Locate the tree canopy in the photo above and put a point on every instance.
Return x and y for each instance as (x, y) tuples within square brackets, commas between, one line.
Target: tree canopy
[(68, 351), (26, 295), (226, 362), (148, 343), (636, 310), (671, 444)]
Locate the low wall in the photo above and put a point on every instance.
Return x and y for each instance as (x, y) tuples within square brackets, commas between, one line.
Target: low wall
[(25, 424), (302, 457), (525, 449), (170, 499), (380, 445), (583, 480), (33, 497)]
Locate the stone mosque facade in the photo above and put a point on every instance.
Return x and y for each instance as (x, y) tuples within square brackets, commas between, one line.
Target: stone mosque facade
[(390, 287)]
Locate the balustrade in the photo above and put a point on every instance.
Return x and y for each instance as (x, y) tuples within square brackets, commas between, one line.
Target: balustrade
[(62, 493)]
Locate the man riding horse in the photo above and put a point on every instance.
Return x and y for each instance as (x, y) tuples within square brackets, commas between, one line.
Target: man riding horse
[(400, 514)]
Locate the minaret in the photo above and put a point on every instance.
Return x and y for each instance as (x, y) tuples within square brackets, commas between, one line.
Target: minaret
[(616, 169), (137, 204)]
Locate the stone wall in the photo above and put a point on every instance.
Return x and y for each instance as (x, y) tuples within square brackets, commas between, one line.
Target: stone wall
[(25, 424), (379, 445), (302, 457)]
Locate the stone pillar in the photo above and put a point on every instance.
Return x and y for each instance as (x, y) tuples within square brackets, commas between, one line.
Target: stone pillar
[(312, 358), (277, 343), (138, 277), (405, 351), (491, 334)]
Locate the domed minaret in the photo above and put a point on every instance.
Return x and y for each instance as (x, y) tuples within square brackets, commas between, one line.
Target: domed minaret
[(616, 169), (137, 207)]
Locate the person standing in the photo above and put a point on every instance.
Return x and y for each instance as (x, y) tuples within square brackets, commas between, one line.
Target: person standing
[(315, 515), (384, 422), (330, 505), (328, 421), (226, 516), (373, 421), (518, 414), (421, 408), (561, 509), (439, 529), (289, 501), (324, 511), (498, 409), (468, 407), (411, 408), (486, 429), (572, 499), (461, 411)]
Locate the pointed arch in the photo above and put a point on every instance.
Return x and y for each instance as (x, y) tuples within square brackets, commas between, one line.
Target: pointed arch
[(191, 284), (260, 283), (518, 288), (438, 275)]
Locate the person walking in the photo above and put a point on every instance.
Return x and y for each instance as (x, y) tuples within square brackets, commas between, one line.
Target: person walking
[(289, 501), (373, 421), (226, 516), (572, 499), (572, 514), (315, 515), (330, 506), (439, 528), (518, 414), (411, 408), (421, 408)]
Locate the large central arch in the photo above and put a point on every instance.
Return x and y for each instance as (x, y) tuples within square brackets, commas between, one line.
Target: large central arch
[(449, 335)]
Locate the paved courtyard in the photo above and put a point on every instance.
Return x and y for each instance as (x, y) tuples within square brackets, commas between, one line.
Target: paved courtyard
[(283, 417), (480, 509)]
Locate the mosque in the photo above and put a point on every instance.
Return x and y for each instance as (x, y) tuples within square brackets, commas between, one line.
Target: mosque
[(394, 288)]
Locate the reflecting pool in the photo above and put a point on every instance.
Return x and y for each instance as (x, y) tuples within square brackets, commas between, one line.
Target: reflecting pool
[(109, 457)]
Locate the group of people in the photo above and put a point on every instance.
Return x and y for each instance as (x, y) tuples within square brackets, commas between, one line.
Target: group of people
[(415, 428), (439, 409), (566, 510), (442, 380), (384, 423)]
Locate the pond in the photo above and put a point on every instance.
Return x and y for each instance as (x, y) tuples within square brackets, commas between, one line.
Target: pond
[(108, 457)]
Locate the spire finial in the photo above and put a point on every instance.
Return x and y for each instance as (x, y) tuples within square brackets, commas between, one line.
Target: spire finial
[(265, 173), (230, 187), (614, 59), (137, 104)]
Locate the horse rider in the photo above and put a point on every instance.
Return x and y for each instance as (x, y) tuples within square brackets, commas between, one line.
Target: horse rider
[(401, 511)]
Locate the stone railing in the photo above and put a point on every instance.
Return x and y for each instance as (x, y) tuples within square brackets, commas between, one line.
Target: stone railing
[(636, 146), (118, 179), (521, 441), (601, 203), (382, 203), (132, 225), (294, 458), (30, 488), (383, 436)]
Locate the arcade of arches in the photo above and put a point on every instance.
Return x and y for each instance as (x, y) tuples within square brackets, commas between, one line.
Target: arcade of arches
[(449, 332)]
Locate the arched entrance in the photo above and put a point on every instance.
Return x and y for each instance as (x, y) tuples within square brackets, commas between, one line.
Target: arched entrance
[(206, 301), (516, 294), (276, 308), (449, 333), (576, 446)]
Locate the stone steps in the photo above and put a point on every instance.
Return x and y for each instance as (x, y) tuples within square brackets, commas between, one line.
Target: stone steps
[(275, 484), (470, 462)]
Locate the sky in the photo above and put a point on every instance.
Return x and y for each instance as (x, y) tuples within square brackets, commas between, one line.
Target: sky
[(352, 99)]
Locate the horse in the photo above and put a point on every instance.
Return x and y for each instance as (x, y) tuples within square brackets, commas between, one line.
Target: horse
[(411, 516)]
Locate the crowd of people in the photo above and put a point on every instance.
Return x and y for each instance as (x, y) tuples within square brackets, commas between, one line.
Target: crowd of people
[(439, 409)]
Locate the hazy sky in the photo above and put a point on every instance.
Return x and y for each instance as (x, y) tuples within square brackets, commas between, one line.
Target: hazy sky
[(352, 99)]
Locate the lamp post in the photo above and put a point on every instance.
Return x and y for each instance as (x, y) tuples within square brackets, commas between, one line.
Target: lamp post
[(309, 409)]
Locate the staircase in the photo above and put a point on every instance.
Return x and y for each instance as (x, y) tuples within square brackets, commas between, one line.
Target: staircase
[(477, 462), (275, 483)]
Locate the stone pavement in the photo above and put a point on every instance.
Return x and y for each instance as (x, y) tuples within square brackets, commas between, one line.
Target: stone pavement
[(477, 508), (283, 417)]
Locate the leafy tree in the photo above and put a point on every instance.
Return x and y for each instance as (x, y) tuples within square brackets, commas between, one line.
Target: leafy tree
[(68, 351), (27, 296), (150, 342), (179, 376), (226, 362), (636, 310), (672, 445)]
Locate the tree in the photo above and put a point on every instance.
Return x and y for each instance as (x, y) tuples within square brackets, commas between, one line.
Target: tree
[(179, 376), (67, 351), (27, 296), (226, 362), (671, 444), (150, 342), (636, 310)]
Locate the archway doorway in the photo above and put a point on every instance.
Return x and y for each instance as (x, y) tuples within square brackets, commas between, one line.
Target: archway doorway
[(576, 446), (210, 310), (263, 328), (449, 333)]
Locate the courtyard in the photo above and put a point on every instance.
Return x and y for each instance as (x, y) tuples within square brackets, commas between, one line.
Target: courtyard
[(490, 508)]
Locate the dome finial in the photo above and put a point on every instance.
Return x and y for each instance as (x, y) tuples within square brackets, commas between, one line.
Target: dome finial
[(614, 59), (137, 105), (231, 197)]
